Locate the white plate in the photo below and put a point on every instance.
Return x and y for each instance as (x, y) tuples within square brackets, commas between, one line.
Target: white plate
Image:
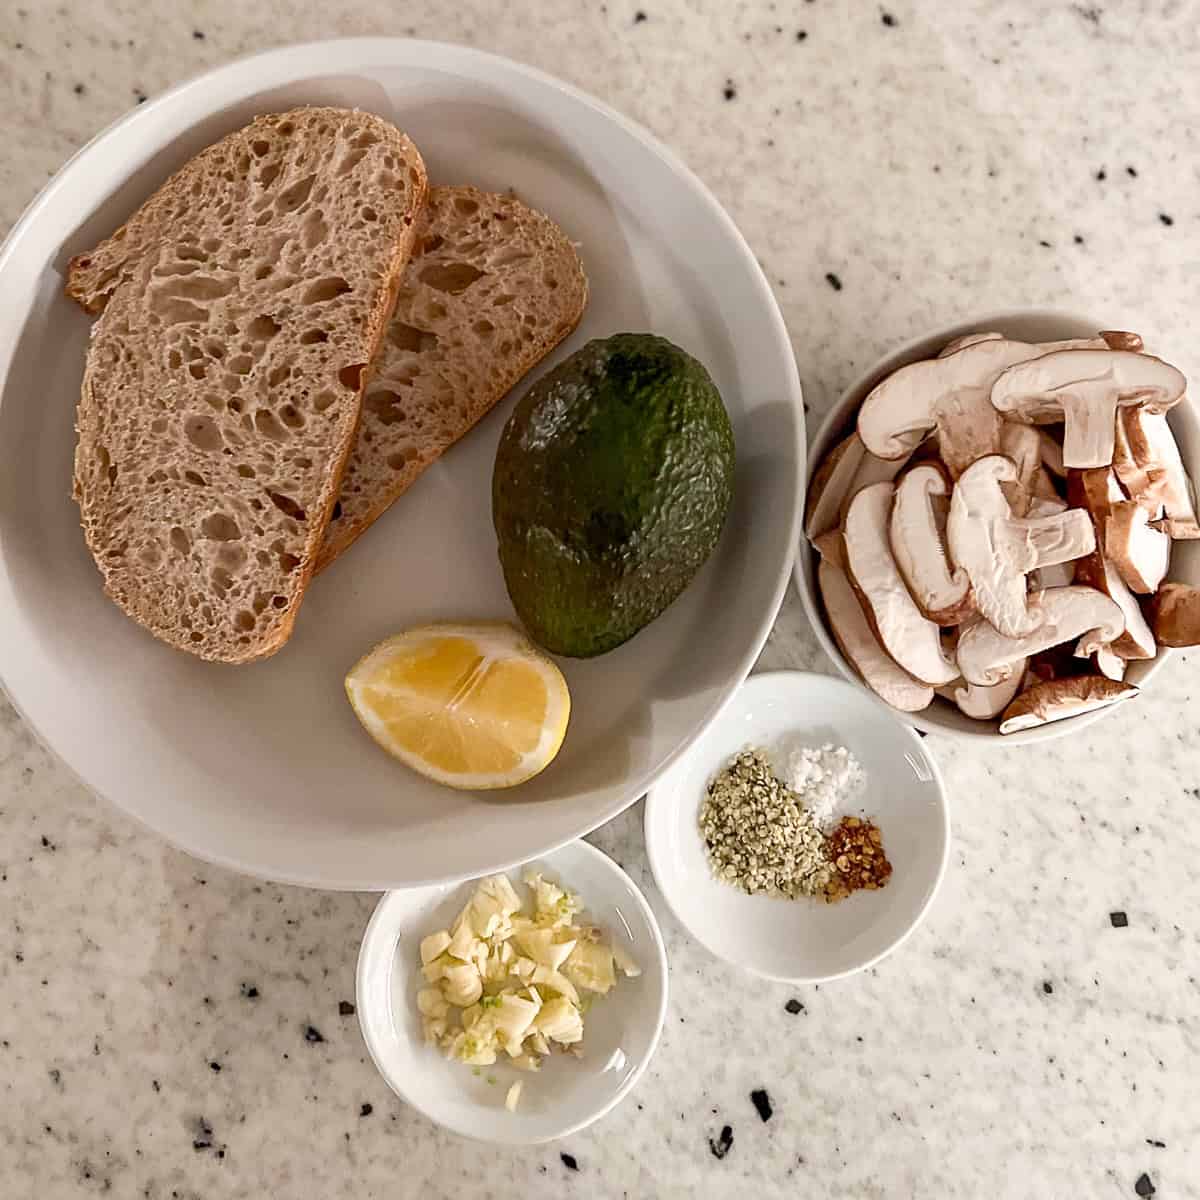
[(621, 1030), (1023, 324), (804, 941), (264, 768)]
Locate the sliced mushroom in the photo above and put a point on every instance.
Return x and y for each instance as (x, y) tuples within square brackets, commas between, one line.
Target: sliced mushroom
[(982, 703), (1176, 615), (1103, 658), (1058, 575), (1139, 552), (1052, 452), (1137, 642), (967, 339), (908, 636), (998, 550), (1023, 444), (872, 470), (942, 393), (830, 547), (918, 532), (1097, 491), (1166, 486), (968, 428), (846, 470), (830, 484), (986, 656), (1085, 388), (1093, 343), (1122, 339), (1062, 698), (853, 635), (1133, 475), (1045, 506), (901, 409)]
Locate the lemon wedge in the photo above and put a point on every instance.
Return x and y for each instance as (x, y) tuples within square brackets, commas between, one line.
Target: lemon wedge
[(470, 706)]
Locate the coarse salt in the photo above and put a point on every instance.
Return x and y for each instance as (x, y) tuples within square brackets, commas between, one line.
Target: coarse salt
[(827, 779)]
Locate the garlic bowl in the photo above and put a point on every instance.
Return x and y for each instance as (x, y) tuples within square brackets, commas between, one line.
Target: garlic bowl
[(1028, 325), (567, 1091)]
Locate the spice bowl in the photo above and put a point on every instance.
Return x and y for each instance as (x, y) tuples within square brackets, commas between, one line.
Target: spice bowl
[(804, 940), (621, 1029)]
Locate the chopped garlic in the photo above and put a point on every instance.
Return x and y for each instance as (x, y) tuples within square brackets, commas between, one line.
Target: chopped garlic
[(560, 1021), (434, 946), (543, 946), (462, 984), (432, 1003), (591, 967), (624, 961), (515, 977), (556, 981), (462, 942)]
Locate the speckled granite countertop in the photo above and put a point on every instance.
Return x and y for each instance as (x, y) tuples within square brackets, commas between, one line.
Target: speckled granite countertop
[(894, 168)]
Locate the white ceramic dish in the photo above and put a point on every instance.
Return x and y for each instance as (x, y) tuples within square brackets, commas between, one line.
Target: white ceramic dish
[(1032, 325), (804, 941), (621, 1030), (264, 768)]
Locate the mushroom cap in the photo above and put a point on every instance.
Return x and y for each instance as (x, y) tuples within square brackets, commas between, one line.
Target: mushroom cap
[(965, 340), (1032, 390), (986, 656), (1058, 699), (854, 637), (903, 631), (1176, 615)]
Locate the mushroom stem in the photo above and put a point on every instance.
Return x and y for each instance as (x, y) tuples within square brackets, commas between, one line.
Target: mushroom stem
[(1090, 430)]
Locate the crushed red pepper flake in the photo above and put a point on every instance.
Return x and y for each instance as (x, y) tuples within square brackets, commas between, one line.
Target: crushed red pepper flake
[(855, 848)]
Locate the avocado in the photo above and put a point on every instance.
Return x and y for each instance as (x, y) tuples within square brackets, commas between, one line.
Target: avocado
[(613, 478)]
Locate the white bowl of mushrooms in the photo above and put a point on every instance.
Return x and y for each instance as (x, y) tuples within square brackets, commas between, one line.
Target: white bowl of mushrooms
[(1001, 535)]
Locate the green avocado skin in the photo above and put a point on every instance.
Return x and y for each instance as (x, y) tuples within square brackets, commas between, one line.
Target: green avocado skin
[(613, 478)]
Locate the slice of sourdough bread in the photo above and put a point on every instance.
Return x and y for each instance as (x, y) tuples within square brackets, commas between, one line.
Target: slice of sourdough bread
[(492, 288), (240, 307)]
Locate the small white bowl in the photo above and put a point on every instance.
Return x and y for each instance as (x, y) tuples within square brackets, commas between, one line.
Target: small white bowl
[(804, 941), (621, 1030), (1030, 325)]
